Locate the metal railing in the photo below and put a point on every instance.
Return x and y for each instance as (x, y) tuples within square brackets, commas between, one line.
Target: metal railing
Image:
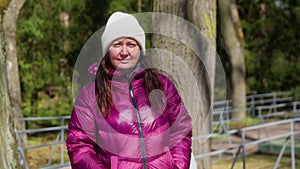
[(291, 135), (58, 141), (269, 101), (256, 107), (241, 147), (280, 105)]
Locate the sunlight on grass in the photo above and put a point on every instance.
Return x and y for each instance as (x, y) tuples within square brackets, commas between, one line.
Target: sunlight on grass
[(257, 161), (39, 157)]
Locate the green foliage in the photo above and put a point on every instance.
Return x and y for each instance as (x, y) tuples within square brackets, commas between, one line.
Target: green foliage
[(124, 6), (271, 30), (50, 35), (48, 46), (129, 6), (220, 137), (239, 123)]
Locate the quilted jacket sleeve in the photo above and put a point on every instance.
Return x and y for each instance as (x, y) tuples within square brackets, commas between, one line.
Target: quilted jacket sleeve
[(81, 134), (181, 127)]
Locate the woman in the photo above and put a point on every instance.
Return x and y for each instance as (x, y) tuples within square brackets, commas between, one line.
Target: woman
[(130, 117)]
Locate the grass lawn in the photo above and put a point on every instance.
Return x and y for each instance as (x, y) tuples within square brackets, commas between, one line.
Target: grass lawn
[(257, 161), (38, 158)]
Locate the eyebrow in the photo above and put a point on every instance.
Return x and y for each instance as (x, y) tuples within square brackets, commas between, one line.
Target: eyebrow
[(129, 41)]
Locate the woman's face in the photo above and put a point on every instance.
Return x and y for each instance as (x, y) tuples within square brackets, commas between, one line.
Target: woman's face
[(124, 54)]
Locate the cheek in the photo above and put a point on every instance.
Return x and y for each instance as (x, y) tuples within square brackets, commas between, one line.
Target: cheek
[(113, 54), (136, 54)]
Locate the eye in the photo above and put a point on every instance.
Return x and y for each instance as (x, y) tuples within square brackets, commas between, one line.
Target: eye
[(131, 45), (117, 44)]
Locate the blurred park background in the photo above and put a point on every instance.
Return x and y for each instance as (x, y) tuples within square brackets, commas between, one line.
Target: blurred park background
[(256, 40)]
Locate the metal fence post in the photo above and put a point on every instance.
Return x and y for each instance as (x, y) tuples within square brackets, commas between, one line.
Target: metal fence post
[(295, 111), (281, 152), (244, 152), (292, 144), (260, 120), (274, 101), (252, 106), (62, 138), (21, 151)]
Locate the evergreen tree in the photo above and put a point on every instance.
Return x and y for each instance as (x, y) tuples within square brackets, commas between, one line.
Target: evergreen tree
[(271, 44)]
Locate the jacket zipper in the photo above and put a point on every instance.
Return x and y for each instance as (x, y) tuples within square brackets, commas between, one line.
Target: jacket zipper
[(142, 141)]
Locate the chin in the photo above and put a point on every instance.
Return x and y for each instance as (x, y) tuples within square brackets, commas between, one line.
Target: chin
[(124, 69)]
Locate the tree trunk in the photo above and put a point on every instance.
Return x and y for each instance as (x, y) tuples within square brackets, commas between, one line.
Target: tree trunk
[(192, 51), (10, 26), (139, 5), (232, 42), (202, 13), (8, 149)]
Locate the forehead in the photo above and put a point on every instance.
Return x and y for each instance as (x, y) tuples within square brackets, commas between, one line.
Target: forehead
[(125, 39)]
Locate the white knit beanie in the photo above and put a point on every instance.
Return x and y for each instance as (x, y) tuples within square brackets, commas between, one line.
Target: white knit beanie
[(121, 25)]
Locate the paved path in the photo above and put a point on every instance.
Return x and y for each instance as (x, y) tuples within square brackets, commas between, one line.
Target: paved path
[(252, 136)]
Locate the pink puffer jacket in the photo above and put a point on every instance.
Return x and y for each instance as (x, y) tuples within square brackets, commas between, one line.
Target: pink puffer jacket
[(133, 136)]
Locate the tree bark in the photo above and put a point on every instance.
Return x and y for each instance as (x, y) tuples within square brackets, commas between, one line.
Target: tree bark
[(202, 15), (10, 27), (8, 149), (232, 41)]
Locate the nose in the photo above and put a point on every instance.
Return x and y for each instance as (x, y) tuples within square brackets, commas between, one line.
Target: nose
[(124, 51)]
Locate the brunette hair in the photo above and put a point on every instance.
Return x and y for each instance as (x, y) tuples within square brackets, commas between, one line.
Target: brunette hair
[(103, 85)]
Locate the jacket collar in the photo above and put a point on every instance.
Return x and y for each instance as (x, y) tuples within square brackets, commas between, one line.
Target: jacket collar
[(135, 74)]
